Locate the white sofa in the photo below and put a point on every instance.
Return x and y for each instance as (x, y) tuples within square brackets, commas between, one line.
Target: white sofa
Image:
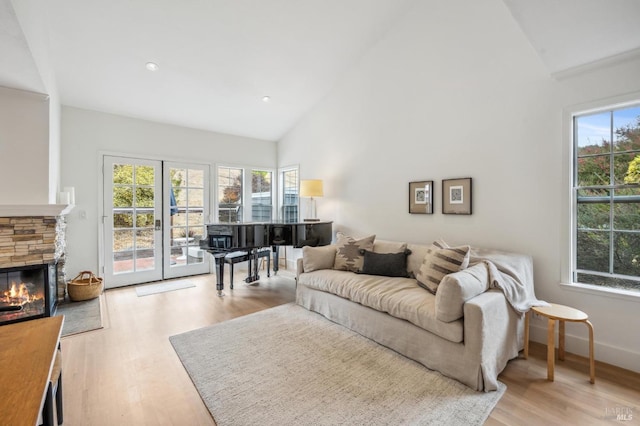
[(467, 330)]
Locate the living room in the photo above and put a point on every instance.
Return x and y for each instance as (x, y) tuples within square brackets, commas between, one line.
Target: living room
[(442, 90)]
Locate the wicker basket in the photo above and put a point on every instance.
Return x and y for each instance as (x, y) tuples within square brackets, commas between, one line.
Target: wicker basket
[(84, 287)]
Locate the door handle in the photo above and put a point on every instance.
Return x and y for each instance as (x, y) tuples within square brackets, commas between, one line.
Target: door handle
[(158, 225)]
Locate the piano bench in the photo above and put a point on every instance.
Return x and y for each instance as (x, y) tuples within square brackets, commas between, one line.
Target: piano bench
[(243, 256)]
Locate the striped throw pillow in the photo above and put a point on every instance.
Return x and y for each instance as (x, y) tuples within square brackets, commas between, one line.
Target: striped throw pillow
[(439, 261)]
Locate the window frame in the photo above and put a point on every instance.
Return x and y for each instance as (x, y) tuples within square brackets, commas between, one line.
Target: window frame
[(281, 193), (242, 204), (272, 203), (569, 229), (246, 207)]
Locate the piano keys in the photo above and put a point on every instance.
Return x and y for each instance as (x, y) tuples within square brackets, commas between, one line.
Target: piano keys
[(223, 238)]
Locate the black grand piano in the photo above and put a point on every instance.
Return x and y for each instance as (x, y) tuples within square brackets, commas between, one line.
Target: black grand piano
[(224, 238)]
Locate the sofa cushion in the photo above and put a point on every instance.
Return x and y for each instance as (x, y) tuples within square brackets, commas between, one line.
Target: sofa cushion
[(384, 246), (348, 256), (455, 289), (315, 258), (399, 297), (414, 260), (441, 260), (385, 264)]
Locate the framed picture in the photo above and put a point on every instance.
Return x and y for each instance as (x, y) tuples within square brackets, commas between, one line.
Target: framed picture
[(456, 196), (421, 197)]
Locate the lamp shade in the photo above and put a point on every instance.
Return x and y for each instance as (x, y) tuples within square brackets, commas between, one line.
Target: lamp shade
[(311, 188)]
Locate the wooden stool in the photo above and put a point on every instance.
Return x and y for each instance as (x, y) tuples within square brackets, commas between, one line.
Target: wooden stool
[(560, 313)]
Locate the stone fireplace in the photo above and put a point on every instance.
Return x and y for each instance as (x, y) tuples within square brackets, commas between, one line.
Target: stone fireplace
[(35, 235)]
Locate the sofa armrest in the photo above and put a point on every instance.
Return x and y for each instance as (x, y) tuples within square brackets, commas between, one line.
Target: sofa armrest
[(455, 289), (299, 268), (493, 332)]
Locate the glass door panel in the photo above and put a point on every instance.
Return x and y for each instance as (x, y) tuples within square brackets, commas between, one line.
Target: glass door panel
[(133, 245), (188, 194)]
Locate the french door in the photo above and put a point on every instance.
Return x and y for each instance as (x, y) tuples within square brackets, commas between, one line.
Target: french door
[(188, 195), (154, 217)]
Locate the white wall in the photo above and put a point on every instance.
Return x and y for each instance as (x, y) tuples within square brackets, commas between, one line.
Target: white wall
[(32, 15), (86, 134), (455, 90), (24, 147), (55, 111)]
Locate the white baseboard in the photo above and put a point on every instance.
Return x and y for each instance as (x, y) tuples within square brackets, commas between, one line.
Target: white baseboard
[(579, 345)]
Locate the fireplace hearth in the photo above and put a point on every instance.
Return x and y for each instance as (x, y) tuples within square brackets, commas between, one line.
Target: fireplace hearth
[(27, 292)]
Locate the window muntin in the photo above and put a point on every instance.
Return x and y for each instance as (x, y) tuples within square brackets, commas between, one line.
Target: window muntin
[(230, 190), (606, 188)]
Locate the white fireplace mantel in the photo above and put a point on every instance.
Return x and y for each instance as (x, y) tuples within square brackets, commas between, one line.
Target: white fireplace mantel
[(13, 210)]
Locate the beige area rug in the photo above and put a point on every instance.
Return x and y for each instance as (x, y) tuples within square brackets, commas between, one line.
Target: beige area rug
[(289, 366), (80, 317)]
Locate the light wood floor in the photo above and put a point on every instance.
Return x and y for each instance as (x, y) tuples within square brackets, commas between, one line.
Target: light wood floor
[(128, 373)]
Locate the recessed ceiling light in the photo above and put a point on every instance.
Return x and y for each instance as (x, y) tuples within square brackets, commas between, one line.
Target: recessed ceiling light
[(266, 99), (152, 66)]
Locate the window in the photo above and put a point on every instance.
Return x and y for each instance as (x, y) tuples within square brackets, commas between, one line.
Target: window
[(289, 194), (606, 191), (261, 196), (230, 200)]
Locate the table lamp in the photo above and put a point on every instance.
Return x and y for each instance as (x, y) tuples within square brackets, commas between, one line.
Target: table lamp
[(311, 188)]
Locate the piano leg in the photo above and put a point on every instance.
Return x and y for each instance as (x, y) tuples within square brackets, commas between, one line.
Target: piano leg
[(252, 270), (269, 265), (276, 261), (256, 264), (219, 258)]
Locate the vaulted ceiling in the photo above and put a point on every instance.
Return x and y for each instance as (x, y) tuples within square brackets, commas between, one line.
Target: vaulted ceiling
[(218, 58)]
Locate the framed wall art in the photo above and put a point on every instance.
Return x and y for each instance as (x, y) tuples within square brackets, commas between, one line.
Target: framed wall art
[(456, 196), (421, 197)]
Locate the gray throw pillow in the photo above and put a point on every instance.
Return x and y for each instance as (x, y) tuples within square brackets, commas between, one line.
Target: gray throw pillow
[(385, 264)]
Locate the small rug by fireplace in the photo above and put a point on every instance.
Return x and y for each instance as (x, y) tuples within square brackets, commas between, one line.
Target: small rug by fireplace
[(146, 290), (80, 317), (289, 366)]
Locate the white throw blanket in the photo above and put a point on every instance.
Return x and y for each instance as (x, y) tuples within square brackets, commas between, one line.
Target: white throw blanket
[(511, 274)]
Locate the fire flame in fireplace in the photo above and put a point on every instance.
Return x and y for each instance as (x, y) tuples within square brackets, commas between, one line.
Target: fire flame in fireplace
[(18, 295)]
